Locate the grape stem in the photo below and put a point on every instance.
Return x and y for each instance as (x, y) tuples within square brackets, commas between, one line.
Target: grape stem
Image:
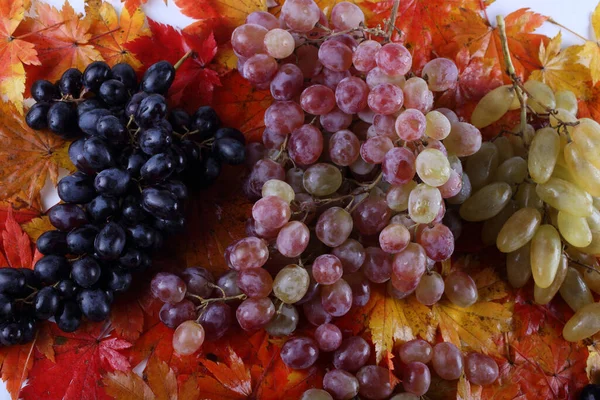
[(571, 31), (182, 59), (219, 288), (204, 302), (392, 22), (510, 70), (571, 259)]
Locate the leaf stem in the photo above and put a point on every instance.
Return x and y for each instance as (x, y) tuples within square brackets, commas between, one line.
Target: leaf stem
[(510, 70), (392, 22), (182, 59), (41, 30), (552, 21)]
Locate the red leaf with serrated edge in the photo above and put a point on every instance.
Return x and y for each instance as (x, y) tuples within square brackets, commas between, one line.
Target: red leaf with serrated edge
[(235, 376), (22, 215), (195, 81), (127, 317), (82, 358), (16, 243)]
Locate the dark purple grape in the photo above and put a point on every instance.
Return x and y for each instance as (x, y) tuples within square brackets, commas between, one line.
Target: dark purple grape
[(118, 280), (37, 116), (151, 110), (112, 182), (46, 302), (191, 150), (48, 269), (199, 281), (12, 281), (70, 83), (10, 333), (132, 209), (158, 78), (28, 330), (216, 319), (228, 282), (230, 151), (154, 140), (97, 154), (134, 103), (43, 90), (113, 92), (77, 188), (89, 105), (52, 242), (141, 236), (88, 120), (134, 163), (160, 203), (132, 258), (62, 118), (180, 161), (6, 307), (231, 133), (66, 217), (169, 225), (102, 207), (77, 157), (86, 271), (125, 74), (158, 168), (110, 128), (67, 289), (179, 119), (110, 241), (172, 315), (352, 354), (68, 317), (206, 121), (299, 352), (178, 188), (94, 304), (81, 240), (95, 74)]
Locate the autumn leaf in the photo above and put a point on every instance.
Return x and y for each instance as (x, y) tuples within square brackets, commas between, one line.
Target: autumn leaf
[(111, 32), (37, 226), (127, 386), (220, 16), (235, 376), (242, 106), (21, 215), (14, 52), (561, 69), (16, 245), (483, 40), (591, 48), (62, 39), (132, 5), (464, 390), (195, 81), (127, 317), (82, 358), (27, 159)]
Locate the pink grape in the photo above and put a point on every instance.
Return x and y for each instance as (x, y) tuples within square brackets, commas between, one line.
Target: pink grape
[(415, 350), (188, 338), (335, 55), (254, 314), (367, 115), (437, 145), (451, 115), (299, 352), (352, 255), (305, 145), (271, 212), (264, 19), (334, 226), (351, 95), (374, 382), (283, 117), (317, 100), (345, 38), (255, 282), (410, 125), (409, 266), (377, 266), (437, 241), (341, 384), (279, 43), (346, 15), (481, 369), (394, 238), (361, 290), (394, 59), (273, 140), (328, 337), (430, 289), (332, 79), (386, 99), (461, 289), (249, 252), (395, 293), (293, 239), (228, 282), (287, 82), (168, 288), (248, 40), (417, 95), (416, 378), (336, 120), (377, 76), (464, 139), (385, 125), (300, 15), (308, 61), (447, 361), (327, 269), (216, 319), (371, 216), (364, 56), (315, 312), (173, 315), (353, 353), (440, 73), (263, 171), (344, 148), (374, 149), (336, 298), (398, 166), (199, 281), (452, 186), (362, 170)]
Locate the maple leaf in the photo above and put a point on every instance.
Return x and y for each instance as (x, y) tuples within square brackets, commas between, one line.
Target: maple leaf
[(483, 40), (591, 48), (221, 16), (27, 159), (14, 52), (132, 5), (561, 69), (242, 106), (37, 226), (16, 244), (235, 377), (62, 39), (464, 390), (477, 76), (127, 317), (195, 81), (111, 32), (21, 215), (82, 358)]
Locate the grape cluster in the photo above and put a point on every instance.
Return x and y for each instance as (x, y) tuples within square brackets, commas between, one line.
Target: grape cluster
[(135, 162), (539, 199)]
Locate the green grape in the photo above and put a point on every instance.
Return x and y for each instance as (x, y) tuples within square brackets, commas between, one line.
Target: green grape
[(574, 290), (543, 154), (486, 202), (291, 284), (546, 250), (545, 295), (481, 166), (565, 196), (541, 97), (575, 230), (518, 230), (493, 106)]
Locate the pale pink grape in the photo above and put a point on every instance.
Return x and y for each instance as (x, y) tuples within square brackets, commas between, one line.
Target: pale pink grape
[(335, 55), (331, 78), (346, 15), (364, 56), (279, 43), (437, 241), (327, 269), (188, 338), (441, 74), (386, 99), (377, 266), (287, 82), (385, 125), (248, 40), (351, 95), (293, 239), (300, 15), (408, 266), (398, 166), (317, 100), (344, 148), (305, 145), (374, 149), (336, 120), (377, 76), (283, 117), (352, 255), (250, 252), (410, 125), (394, 59), (394, 238), (271, 212)]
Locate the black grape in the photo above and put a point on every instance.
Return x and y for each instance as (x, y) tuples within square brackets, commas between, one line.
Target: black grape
[(112, 182), (230, 151), (43, 90), (95, 74), (110, 128), (154, 140), (151, 110), (132, 209), (170, 225), (62, 118), (142, 236), (94, 304), (37, 116), (76, 188), (67, 289), (27, 329), (110, 241), (66, 217), (68, 317), (46, 302), (134, 163), (102, 207), (158, 78), (51, 269), (230, 133), (160, 203), (7, 307), (179, 119), (131, 259), (86, 271), (178, 188), (118, 280), (191, 150), (81, 240), (89, 105), (10, 333), (88, 120), (179, 157), (158, 168), (77, 157), (210, 169), (12, 281), (97, 153), (113, 92), (52, 242), (125, 74), (70, 83), (206, 121), (134, 103)]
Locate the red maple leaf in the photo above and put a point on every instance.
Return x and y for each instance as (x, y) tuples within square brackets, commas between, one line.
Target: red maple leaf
[(82, 358), (195, 81)]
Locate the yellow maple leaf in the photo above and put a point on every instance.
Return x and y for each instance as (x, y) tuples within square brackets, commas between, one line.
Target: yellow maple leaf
[(37, 226), (563, 69), (464, 390), (110, 32), (591, 48)]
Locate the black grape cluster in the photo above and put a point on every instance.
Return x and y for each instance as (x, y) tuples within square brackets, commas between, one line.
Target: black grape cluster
[(135, 161)]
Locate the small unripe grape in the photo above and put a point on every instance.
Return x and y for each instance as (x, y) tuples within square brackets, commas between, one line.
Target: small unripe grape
[(424, 203), (188, 338), (291, 284), (281, 189), (322, 179), (433, 167), (438, 126), (279, 43)]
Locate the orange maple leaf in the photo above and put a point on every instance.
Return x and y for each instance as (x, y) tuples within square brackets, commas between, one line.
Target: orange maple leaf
[(483, 40), (14, 52), (110, 32), (27, 159), (127, 317), (62, 39), (132, 5)]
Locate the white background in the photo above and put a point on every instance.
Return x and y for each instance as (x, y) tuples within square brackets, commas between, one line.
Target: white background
[(575, 14)]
